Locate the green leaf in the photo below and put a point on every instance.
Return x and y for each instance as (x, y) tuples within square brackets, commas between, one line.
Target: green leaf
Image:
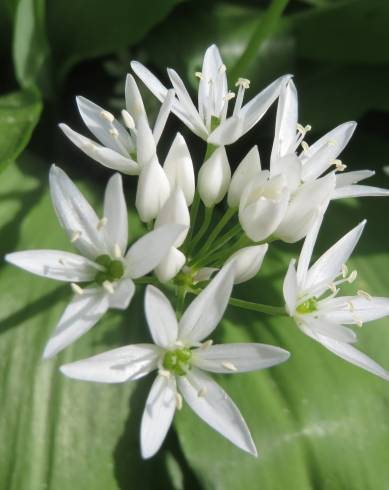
[(91, 28), (319, 422), (30, 47), (62, 434), (19, 113)]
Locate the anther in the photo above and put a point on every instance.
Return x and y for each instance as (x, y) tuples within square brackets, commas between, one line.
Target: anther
[(230, 95), (304, 146), (128, 120), (364, 294), (207, 344), (202, 392), (116, 251), (75, 236), (339, 165), (178, 401), (350, 306), (223, 68), (332, 287), (107, 285), (357, 321), (76, 289), (101, 223), (344, 271), (107, 116), (351, 278), (307, 128), (114, 132), (199, 75), (179, 343), (243, 82), (164, 372), (230, 366), (300, 128)]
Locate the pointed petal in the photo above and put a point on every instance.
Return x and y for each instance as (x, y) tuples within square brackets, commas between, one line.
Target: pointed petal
[(348, 178), (75, 214), (216, 408), (115, 210), (290, 289), (82, 313), (158, 415), (355, 309), (229, 358), (161, 318), (247, 262), (150, 249), (289, 167), (330, 329), (134, 102), (123, 292), (214, 178), (205, 312), (359, 191), (145, 144), (170, 265), (152, 191), (163, 115), (115, 366), (107, 157), (307, 250), (329, 265), (248, 168), (286, 122), (55, 264), (100, 127), (175, 211), (178, 168)]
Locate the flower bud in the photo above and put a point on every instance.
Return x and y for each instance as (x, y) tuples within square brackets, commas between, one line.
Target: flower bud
[(248, 168), (152, 192), (178, 167), (170, 265), (214, 178), (263, 206), (175, 211), (247, 262)]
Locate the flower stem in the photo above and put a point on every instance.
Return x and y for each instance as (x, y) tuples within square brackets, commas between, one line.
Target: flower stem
[(204, 227), (193, 217), (266, 25), (217, 230)]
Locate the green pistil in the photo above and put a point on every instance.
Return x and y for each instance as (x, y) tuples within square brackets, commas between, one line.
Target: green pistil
[(178, 361), (308, 306), (114, 269)]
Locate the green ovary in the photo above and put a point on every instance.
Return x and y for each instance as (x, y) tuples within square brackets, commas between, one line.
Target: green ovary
[(308, 306), (114, 269), (178, 361)]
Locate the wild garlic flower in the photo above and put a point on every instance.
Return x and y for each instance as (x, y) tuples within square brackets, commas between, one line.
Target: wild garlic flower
[(210, 120), (126, 146), (182, 357), (103, 264), (311, 297)]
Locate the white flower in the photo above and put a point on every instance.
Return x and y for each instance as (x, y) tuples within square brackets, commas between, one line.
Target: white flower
[(313, 161), (181, 359), (246, 171), (311, 299), (209, 121), (103, 264), (214, 178), (123, 147), (247, 262)]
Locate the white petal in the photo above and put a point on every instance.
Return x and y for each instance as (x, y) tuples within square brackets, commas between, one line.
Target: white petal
[(304, 208), (214, 178), (91, 114), (115, 211), (348, 178), (158, 415), (115, 366), (179, 170), (229, 358), (82, 313), (247, 262), (205, 312), (123, 292), (229, 131), (354, 309), (307, 250), (150, 249), (145, 144), (175, 211), (75, 214), (163, 115), (359, 191), (170, 265), (352, 355), (321, 154), (248, 168), (216, 408), (107, 157), (213, 83), (332, 330), (289, 167), (286, 122), (134, 102), (55, 264), (152, 191), (161, 318), (204, 274), (290, 289), (329, 265)]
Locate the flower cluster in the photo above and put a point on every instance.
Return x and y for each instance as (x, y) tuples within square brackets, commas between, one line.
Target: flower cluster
[(187, 250)]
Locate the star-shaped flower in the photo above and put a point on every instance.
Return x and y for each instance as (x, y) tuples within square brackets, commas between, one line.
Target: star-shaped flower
[(181, 357), (210, 120), (103, 263), (311, 297)]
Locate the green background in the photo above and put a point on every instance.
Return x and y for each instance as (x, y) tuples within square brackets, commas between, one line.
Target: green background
[(318, 422)]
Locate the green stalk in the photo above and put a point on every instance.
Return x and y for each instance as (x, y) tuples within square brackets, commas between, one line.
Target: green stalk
[(264, 29), (204, 227), (217, 230)]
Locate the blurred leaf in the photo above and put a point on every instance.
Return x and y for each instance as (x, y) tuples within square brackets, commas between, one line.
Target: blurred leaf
[(91, 28), (30, 47), (61, 434), (19, 113)]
